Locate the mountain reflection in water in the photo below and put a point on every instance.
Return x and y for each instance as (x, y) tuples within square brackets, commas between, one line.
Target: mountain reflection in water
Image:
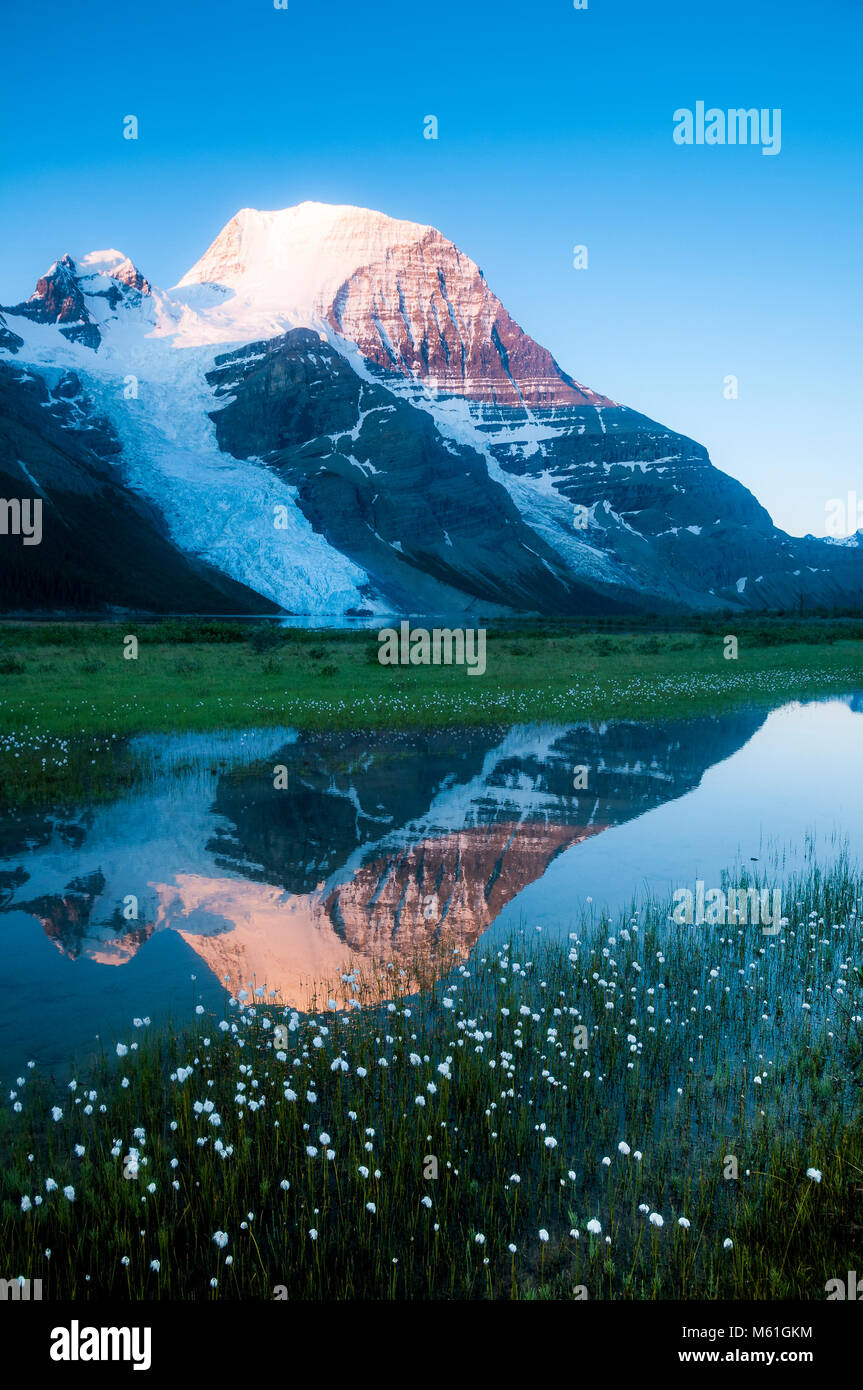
[(383, 847)]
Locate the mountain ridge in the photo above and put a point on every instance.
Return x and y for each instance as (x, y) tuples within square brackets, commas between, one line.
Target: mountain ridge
[(357, 372)]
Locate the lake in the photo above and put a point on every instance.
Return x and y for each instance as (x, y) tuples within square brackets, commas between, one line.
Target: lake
[(277, 858)]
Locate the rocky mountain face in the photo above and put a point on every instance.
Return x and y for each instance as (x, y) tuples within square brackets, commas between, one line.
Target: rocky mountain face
[(428, 314), (358, 371), (375, 476), (404, 295)]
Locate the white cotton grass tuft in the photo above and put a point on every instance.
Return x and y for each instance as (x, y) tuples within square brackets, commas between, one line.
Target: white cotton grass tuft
[(815, 1174)]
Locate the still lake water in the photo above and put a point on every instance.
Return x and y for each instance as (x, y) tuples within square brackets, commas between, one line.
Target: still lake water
[(382, 844)]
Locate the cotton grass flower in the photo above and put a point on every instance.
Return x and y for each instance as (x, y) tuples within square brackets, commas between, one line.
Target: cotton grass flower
[(221, 1239), (594, 1227), (815, 1174)]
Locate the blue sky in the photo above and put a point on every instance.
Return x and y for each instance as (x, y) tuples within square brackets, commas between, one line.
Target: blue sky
[(555, 129)]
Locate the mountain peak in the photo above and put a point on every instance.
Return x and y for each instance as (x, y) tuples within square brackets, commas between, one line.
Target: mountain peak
[(117, 267), (298, 256), (411, 301)]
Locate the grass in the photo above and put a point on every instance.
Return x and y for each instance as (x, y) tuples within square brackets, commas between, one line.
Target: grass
[(453, 1138), (76, 680), (68, 696)]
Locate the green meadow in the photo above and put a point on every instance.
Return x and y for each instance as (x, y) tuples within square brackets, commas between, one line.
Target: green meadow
[(68, 678)]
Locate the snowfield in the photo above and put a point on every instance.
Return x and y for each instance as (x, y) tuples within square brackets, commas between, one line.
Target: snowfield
[(216, 507)]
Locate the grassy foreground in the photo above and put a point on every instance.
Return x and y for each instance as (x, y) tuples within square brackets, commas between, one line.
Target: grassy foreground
[(69, 697), (64, 679), (642, 1111)]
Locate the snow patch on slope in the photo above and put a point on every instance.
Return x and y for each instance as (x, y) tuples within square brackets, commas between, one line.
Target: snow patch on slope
[(217, 507)]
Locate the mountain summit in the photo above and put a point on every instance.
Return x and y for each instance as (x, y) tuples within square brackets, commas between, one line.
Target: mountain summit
[(407, 297), (354, 376)]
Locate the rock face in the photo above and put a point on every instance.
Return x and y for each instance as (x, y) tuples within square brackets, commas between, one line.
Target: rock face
[(375, 475), (431, 456), (58, 298), (426, 312), (405, 295), (78, 296)]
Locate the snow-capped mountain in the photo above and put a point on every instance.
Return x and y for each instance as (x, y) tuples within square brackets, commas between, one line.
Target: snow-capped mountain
[(332, 413), (410, 300)]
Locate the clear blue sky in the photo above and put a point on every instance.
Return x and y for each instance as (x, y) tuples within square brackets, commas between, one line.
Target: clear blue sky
[(555, 129)]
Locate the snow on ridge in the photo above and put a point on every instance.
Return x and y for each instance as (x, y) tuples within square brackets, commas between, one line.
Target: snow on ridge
[(296, 259)]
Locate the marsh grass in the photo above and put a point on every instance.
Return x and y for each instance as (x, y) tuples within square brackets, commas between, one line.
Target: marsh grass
[(68, 695), (679, 1024), (198, 678)]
